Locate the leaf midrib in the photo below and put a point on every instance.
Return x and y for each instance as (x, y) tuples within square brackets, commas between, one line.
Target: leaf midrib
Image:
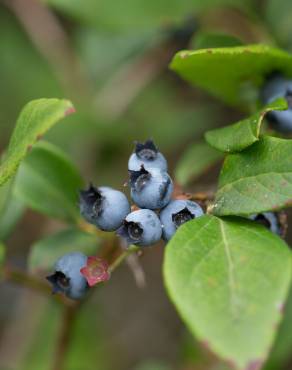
[(230, 263), (232, 283)]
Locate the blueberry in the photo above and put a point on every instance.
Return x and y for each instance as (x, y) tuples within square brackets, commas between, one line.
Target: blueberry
[(67, 277), (176, 213), (269, 220), (147, 155), (141, 227), (150, 188), (104, 207), (278, 87)]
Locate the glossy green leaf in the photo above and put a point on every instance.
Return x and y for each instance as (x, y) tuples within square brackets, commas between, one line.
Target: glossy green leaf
[(204, 40), (34, 120), (224, 72), (48, 182), (195, 160), (242, 134), (228, 280), (257, 179), (45, 252)]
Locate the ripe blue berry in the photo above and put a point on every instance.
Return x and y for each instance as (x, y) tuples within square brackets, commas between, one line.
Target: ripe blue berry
[(141, 227), (176, 213), (147, 155), (150, 188), (67, 277), (279, 87), (104, 207), (269, 220)]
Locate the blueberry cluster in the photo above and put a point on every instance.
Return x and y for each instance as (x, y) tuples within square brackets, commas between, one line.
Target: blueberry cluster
[(277, 86), (151, 190), (155, 216)]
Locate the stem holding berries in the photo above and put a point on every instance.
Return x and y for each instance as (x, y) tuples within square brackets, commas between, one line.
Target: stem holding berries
[(130, 250)]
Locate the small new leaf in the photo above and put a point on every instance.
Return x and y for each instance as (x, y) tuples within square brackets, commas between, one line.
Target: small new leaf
[(256, 180), (240, 135)]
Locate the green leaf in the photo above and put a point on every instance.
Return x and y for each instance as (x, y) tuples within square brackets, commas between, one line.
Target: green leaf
[(45, 252), (228, 280), (86, 350), (204, 40), (11, 210), (278, 21), (195, 160), (42, 348), (224, 72), (84, 346), (257, 179), (34, 120), (128, 15), (48, 182), (2, 255), (153, 365), (281, 351), (18, 54), (242, 134)]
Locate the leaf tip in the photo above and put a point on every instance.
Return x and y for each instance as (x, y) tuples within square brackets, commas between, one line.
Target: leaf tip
[(280, 307), (255, 364), (69, 110), (183, 54)]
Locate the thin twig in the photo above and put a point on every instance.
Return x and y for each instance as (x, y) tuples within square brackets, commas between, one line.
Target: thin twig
[(137, 270), (69, 317), (130, 250), (91, 229), (20, 277)]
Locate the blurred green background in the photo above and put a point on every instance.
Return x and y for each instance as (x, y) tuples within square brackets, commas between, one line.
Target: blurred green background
[(111, 59)]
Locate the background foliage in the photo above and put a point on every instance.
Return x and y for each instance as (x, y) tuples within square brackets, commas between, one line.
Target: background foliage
[(111, 60)]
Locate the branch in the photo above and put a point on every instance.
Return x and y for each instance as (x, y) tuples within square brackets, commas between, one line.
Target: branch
[(64, 338), (26, 280)]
